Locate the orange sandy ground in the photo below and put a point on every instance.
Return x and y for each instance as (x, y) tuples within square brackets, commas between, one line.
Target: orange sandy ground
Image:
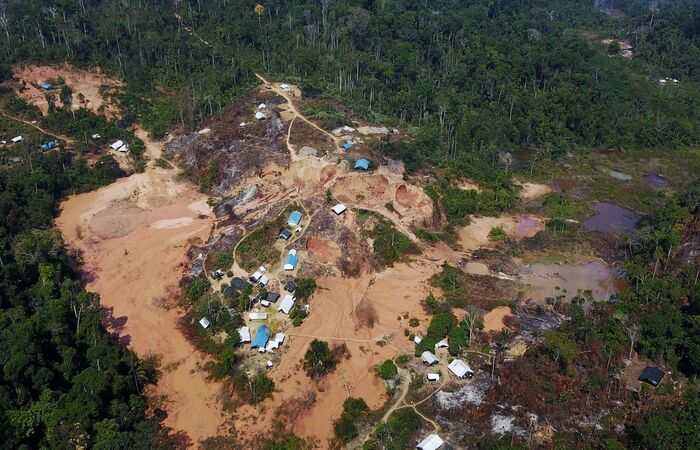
[(141, 257)]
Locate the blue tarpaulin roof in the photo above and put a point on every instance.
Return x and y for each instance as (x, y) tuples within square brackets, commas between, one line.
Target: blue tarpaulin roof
[(362, 164), (49, 145), (294, 218), (46, 86), (291, 260), (347, 146), (261, 337)]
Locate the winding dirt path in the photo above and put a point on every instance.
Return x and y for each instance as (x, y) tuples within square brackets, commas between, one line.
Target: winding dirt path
[(38, 128)]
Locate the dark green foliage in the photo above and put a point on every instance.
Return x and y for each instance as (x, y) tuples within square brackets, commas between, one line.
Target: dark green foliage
[(197, 287), (426, 344), (326, 114), (441, 324), (399, 431), (297, 315), (64, 381), (287, 442), (354, 411), (559, 206), (305, 288), (454, 285), (674, 427), (222, 261), (459, 203), (387, 370), (253, 390), (319, 360), (390, 245), (354, 407)]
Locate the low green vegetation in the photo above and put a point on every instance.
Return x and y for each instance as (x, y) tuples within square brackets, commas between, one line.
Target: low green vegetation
[(326, 114), (220, 261), (390, 245), (258, 248), (319, 361), (497, 234), (559, 206), (454, 285)]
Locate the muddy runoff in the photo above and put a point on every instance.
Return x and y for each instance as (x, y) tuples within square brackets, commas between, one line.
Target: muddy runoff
[(133, 237)]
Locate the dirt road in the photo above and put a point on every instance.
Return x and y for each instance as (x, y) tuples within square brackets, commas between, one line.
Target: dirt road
[(38, 128)]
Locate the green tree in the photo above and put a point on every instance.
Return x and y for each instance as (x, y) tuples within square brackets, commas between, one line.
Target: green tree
[(319, 360)]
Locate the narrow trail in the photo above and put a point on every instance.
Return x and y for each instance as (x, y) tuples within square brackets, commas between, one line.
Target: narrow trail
[(189, 30), (293, 109), (38, 128)]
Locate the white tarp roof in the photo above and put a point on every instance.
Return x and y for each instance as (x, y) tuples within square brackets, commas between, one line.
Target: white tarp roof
[(124, 148), (204, 322), (96, 136), (257, 315), (244, 333), (262, 106), (286, 304), (284, 86), (260, 116), (256, 276), (459, 368), (442, 344), (417, 339), (432, 442), (428, 357), (265, 303), (16, 139), (204, 131), (117, 145), (279, 337), (339, 208), (264, 280), (434, 377), (271, 345)]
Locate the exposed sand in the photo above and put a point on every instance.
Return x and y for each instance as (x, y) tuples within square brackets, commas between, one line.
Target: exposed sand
[(133, 236), (323, 250), (87, 83), (493, 320), (532, 190)]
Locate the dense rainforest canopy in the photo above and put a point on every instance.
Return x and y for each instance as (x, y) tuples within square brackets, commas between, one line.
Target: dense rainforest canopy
[(478, 77)]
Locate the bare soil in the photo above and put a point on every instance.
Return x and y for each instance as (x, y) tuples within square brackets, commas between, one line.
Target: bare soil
[(92, 89), (133, 237)]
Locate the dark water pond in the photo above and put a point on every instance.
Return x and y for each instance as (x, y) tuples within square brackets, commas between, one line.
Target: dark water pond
[(656, 180), (611, 218)]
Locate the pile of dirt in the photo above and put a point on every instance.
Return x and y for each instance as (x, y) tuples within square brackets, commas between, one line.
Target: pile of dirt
[(92, 89), (118, 220)]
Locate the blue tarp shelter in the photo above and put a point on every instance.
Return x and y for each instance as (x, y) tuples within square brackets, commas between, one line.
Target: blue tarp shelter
[(261, 337), (291, 262), (285, 234), (46, 86), (49, 145), (294, 218), (347, 146), (362, 164)]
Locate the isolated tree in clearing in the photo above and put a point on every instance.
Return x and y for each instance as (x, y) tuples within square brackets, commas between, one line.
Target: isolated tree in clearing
[(319, 360)]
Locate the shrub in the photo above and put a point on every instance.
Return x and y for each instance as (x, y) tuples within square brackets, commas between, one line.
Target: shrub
[(497, 234), (319, 360), (197, 287), (388, 370), (441, 324)]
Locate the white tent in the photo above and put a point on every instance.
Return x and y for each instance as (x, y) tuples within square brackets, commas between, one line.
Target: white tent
[(257, 316), (204, 322), (260, 116), (117, 145), (433, 377), (442, 344), (96, 136), (124, 148), (269, 364), (339, 208), (204, 131), (460, 369), (16, 139), (279, 337), (432, 442), (284, 86), (262, 106), (265, 303), (244, 333), (428, 358), (286, 304), (264, 280), (272, 345), (417, 339)]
